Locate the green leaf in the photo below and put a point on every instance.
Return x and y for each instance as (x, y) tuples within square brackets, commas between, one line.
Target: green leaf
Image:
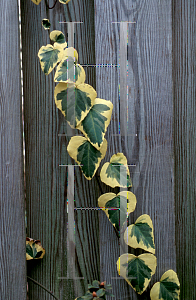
[(46, 24), (137, 270), (76, 100), (124, 200), (68, 71), (87, 156), (100, 292), (49, 56), (34, 249), (140, 234), (95, 283), (116, 172), (168, 288), (95, 124)]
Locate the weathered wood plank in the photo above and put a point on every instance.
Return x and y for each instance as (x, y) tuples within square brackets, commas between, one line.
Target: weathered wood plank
[(184, 28), (46, 181), (12, 218), (150, 113)]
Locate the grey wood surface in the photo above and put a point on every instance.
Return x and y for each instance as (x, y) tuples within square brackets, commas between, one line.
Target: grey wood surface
[(150, 121), (12, 214), (46, 181), (184, 79)]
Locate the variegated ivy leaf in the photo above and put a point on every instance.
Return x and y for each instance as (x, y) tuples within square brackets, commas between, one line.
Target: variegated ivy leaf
[(74, 101), (34, 249), (36, 1), (64, 1), (167, 289), (111, 204), (140, 234), (49, 56), (87, 156), (57, 36), (116, 172), (68, 71), (137, 270), (46, 24), (70, 51), (95, 124)]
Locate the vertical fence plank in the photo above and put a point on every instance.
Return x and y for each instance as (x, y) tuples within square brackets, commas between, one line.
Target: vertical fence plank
[(150, 122), (184, 28), (46, 181), (12, 218)]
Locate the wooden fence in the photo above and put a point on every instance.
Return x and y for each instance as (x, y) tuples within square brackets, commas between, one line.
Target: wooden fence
[(160, 144)]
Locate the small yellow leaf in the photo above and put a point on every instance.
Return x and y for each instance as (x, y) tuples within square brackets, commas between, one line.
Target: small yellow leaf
[(34, 249), (36, 1), (64, 1)]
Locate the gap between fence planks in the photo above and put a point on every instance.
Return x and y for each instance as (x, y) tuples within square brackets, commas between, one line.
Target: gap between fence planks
[(12, 216)]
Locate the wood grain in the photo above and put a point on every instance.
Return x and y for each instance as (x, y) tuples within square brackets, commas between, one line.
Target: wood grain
[(12, 217), (46, 143), (150, 121), (184, 29)]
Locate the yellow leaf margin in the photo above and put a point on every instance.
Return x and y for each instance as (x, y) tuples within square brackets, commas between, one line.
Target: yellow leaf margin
[(77, 141), (132, 241), (116, 158), (107, 114), (149, 259), (155, 290), (86, 88), (103, 199)]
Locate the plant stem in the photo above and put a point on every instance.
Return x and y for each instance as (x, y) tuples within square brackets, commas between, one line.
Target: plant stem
[(52, 6), (43, 287)]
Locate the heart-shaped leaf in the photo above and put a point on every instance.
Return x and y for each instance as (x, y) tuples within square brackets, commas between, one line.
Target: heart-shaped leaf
[(116, 172), (68, 71), (111, 204), (57, 36), (140, 234), (95, 124), (137, 270), (168, 288), (49, 56), (46, 24), (74, 101), (87, 156), (34, 249)]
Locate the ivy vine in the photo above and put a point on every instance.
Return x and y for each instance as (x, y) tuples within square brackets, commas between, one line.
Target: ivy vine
[(82, 110)]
